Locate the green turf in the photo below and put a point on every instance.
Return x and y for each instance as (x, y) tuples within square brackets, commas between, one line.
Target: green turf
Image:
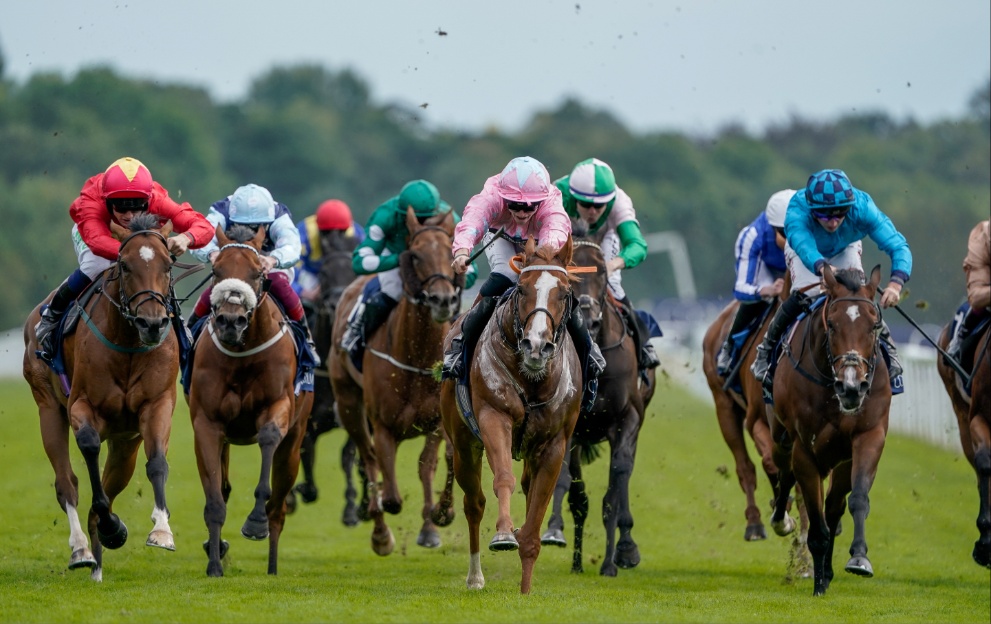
[(687, 505)]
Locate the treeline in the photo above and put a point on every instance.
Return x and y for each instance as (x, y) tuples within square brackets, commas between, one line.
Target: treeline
[(309, 133)]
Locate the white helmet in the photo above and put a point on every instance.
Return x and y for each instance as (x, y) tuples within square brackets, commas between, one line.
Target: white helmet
[(777, 206), (252, 204)]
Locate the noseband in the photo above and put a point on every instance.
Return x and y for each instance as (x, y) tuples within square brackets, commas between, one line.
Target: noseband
[(258, 293)]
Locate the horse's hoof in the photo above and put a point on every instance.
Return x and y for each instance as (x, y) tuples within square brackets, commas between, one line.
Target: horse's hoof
[(442, 516), (860, 566), (982, 554), (608, 569), (627, 556), (82, 558), (350, 516), (755, 533), (785, 527), (362, 513), (161, 539), (839, 528), (254, 529), (214, 569), (114, 538), (553, 537), (503, 541), (383, 545), (224, 545), (393, 507), (291, 503), (307, 492), (428, 539)]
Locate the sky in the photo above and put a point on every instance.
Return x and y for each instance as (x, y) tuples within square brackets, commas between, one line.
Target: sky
[(690, 66)]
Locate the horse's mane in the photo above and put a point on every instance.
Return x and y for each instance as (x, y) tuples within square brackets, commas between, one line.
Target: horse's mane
[(579, 228), (144, 221), (851, 279), (239, 233)]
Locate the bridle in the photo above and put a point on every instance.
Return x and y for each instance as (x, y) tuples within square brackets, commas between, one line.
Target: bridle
[(260, 292), (519, 324), (420, 294), (585, 301), (846, 359), (124, 301)]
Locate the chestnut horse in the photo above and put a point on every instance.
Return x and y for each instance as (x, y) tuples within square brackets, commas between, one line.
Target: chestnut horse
[(617, 417), (335, 274), (119, 386), (395, 396), (831, 400), (739, 405), (242, 392), (525, 390), (973, 412)]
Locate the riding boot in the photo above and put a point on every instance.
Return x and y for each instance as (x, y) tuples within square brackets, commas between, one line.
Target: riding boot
[(377, 310), (646, 355), (462, 346), (591, 357), (52, 313), (785, 316), (894, 363), (354, 329), (311, 346), (965, 325), (745, 314)]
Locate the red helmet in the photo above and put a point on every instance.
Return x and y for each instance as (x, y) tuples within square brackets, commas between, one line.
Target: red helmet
[(333, 214), (127, 177)]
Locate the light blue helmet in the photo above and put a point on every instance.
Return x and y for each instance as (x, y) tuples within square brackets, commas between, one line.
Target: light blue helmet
[(252, 204)]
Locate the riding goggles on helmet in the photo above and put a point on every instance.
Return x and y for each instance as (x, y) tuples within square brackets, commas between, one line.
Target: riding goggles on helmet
[(514, 206), (127, 204)]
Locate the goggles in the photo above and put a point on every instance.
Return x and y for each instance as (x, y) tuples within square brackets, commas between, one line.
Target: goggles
[(590, 205), (831, 213), (127, 204), (521, 206)]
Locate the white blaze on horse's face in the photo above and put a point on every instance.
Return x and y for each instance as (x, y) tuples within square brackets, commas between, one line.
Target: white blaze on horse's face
[(147, 253), (546, 283), (853, 312)]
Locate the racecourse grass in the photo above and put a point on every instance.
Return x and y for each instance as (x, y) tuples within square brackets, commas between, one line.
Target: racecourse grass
[(689, 525)]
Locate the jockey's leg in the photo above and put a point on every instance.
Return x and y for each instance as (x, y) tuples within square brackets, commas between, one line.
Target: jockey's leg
[(745, 314), (377, 310), (591, 357), (971, 319), (282, 290), (52, 313), (894, 363), (474, 322), (646, 355), (201, 309), (785, 316)]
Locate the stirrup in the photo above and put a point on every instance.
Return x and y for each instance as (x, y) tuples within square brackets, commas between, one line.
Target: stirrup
[(762, 363), (351, 337), (452, 368), (724, 361)]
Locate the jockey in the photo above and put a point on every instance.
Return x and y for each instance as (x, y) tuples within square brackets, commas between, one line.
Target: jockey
[(253, 206), (378, 254), (590, 193), (123, 190), (522, 200), (825, 224), (760, 269), (977, 266), (331, 215)]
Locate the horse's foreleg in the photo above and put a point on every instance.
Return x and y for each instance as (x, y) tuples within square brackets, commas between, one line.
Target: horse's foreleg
[(835, 506), (211, 461), (55, 437), (616, 511), (578, 505), (496, 430), (730, 419), (818, 539), (285, 469), (106, 528), (443, 513), (867, 448), (307, 489), (782, 523), (156, 439), (429, 536), (980, 434), (468, 472), (554, 535), (256, 526), (350, 516), (545, 466)]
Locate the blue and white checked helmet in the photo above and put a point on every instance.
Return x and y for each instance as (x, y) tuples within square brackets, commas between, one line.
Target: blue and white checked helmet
[(829, 188)]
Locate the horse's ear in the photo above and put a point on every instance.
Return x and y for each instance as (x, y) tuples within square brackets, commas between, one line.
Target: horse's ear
[(412, 223), (567, 251), (529, 248), (828, 277), (118, 231), (222, 237), (166, 229), (259, 238), (876, 277)]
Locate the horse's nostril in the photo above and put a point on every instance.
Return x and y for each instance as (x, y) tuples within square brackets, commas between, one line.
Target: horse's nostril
[(241, 322), (547, 350)]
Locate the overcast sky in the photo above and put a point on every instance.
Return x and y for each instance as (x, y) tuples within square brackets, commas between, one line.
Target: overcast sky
[(687, 65)]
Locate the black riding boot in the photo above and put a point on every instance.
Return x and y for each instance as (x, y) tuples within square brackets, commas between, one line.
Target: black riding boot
[(590, 356), (785, 316), (964, 327), (377, 310), (646, 355), (52, 313), (745, 314), (462, 347)]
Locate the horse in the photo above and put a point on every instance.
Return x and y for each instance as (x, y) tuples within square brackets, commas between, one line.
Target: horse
[(335, 274), (740, 406), (242, 391), (120, 368), (395, 395), (831, 397), (973, 412), (617, 416), (525, 390)]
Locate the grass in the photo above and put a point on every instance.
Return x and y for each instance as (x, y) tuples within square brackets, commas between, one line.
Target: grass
[(689, 525)]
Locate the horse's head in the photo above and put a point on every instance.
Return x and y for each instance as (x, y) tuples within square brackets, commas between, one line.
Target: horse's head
[(853, 325), (336, 273), (425, 266), (237, 282), (541, 304), (593, 289), (144, 275)]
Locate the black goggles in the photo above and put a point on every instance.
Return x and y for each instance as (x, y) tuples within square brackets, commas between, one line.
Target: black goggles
[(590, 205), (127, 204), (831, 213), (521, 206)]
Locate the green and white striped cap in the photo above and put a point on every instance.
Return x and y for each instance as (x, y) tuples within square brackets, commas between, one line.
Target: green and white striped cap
[(592, 181)]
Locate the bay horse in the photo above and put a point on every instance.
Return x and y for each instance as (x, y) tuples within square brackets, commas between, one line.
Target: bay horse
[(525, 390), (335, 274), (973, 413), (831, 400), (616, 417), (395, 396), (740, 407), (242, 391), (121, 365)]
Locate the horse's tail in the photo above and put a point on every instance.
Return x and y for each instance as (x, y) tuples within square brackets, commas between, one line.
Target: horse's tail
[(590, 451)]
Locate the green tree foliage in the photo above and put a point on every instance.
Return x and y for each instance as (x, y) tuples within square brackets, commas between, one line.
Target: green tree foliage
[(309, 133)]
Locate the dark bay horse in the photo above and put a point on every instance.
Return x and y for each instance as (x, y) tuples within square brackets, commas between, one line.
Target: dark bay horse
[(335, 274), (974, 421), (121, 364), (831, 400), (525, 386), (739, 407), (242, 392), (616, 417), (396, 397)]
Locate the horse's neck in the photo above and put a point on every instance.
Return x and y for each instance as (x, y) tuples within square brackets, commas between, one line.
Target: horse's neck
[(109, 300), (264, 322), (415, 334), (613, 325)]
